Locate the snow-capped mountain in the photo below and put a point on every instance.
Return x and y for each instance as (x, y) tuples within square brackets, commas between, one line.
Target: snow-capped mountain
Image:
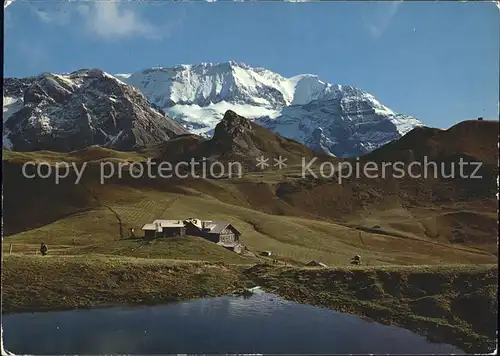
[(73, 111), (123, 111), (336, 119)]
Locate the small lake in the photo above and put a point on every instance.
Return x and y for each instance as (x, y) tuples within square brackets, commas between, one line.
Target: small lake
[(262, 323)]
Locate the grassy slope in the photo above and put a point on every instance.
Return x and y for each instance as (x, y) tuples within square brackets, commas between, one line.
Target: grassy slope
[(45, 283), (450, 304), (94, 210), (290, 238), (86, 155), (101, 220)]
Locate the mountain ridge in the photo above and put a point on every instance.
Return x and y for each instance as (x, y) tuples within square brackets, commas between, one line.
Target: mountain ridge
[(77, 110), (337, 120), (198, 96)]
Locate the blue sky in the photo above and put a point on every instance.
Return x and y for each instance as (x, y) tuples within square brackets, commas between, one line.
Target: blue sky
[(437, 61)]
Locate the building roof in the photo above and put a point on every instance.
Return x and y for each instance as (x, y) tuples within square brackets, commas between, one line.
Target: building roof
[(195, 222), (216, 227), (157, 225), (169, 223), (151, 227), (207, 226)]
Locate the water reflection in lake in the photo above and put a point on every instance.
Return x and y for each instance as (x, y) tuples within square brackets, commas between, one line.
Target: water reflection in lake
[(262, 323)]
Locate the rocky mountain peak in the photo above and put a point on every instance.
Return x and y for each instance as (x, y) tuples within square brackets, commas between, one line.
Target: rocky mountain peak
[(84, 108), (233, 133), (231, 126)]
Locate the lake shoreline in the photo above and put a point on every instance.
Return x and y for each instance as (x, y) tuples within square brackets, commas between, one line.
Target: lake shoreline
[(447, 304), (430, 301)]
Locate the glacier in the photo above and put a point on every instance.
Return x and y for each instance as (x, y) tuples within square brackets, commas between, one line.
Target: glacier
[(340, 120)]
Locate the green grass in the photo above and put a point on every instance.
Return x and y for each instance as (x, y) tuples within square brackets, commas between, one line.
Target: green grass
[(454, 304), (60, 282), (289, 238), (90, 154), (179, 248)]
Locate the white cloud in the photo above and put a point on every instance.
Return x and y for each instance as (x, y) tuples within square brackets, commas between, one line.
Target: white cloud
[(104, 19), (379, 21), (109, 20), (7, 3)]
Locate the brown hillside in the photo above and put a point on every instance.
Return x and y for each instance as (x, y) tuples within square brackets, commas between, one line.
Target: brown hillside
[(30, 203), (428, 208), (450, 209), (473, 139)]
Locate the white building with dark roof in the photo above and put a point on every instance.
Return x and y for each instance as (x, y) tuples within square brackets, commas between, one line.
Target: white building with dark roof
[(164, 228), (220, 232)]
